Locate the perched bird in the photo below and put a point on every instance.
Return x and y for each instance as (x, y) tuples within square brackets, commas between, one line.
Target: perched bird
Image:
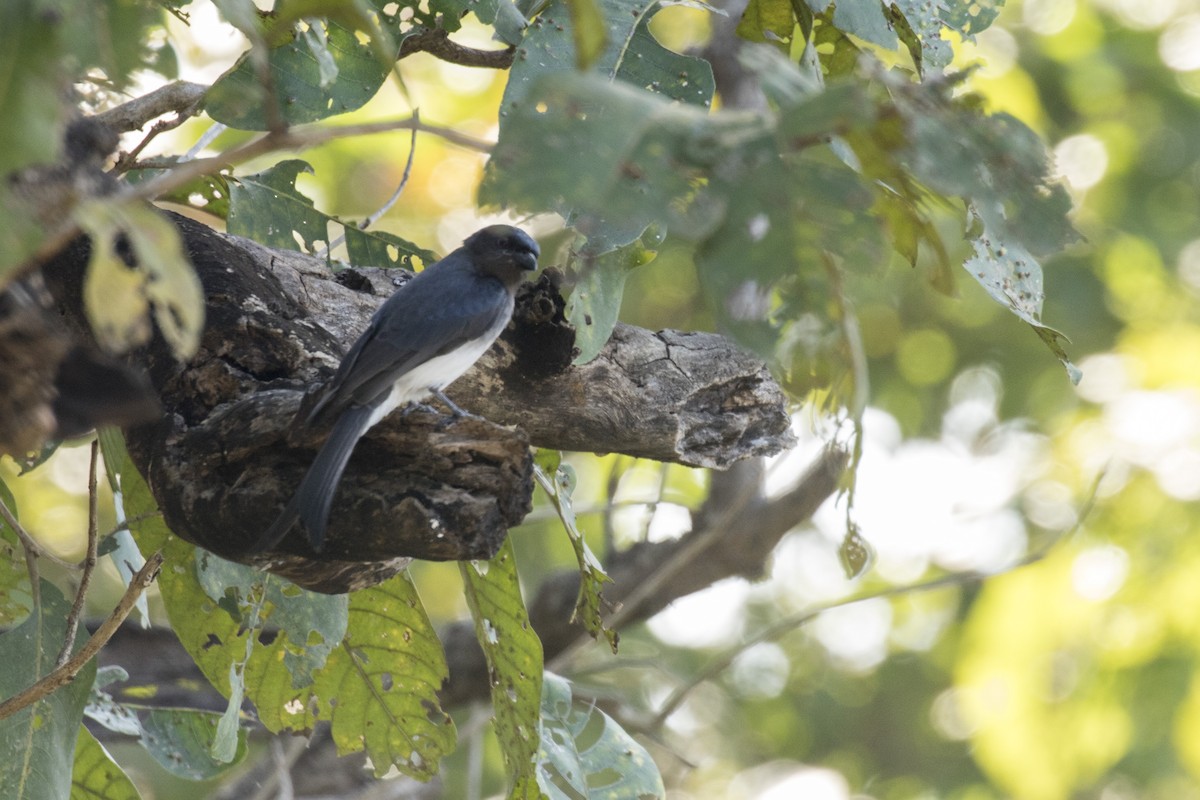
[(420, 340)]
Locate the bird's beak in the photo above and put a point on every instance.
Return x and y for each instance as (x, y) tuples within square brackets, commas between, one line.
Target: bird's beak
[(528, 261)]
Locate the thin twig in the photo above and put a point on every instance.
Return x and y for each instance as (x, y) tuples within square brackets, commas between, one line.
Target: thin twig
[(67, 672), (128, 161), (391, 201), (89, 562)]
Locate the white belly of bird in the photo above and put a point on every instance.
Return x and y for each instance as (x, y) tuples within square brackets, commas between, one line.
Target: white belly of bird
[(436, 373)]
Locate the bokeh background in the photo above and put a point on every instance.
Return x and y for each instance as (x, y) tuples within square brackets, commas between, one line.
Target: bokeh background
[(1070, 672)]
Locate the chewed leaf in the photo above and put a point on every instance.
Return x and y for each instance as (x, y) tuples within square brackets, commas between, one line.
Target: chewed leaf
[(514, 657)]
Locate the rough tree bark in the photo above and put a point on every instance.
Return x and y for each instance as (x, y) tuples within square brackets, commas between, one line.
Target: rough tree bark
[(221, 462)]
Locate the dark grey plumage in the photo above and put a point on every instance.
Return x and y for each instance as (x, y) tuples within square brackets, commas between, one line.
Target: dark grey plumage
[(420, 340)]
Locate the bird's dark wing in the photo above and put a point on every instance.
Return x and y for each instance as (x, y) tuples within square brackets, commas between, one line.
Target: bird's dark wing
[(425, 318)]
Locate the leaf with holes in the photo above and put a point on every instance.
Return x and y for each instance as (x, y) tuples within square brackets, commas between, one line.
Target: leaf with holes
[(380, 687), (514, 657), (269, 208), (304, 88), (118, 297), (382, 249)]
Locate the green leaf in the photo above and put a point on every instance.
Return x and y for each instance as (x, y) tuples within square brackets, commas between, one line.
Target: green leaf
[(596, 299), (382, 249), (380, 687), (95, 775), (15, 598), (303, 89), (268, 208), (180, 740), (208, 193), (643, 156), (559, 484), (117, 297), (30, 81), (38, 742), (586, 754), (110, 35), (1013, 278), (866, 20), (514, 656), (20, 230)]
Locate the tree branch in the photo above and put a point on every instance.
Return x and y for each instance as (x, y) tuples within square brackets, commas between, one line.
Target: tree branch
[(180, 97), (438, 44)]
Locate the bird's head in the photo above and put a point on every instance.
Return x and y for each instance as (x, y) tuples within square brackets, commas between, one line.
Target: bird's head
[(503, 251)]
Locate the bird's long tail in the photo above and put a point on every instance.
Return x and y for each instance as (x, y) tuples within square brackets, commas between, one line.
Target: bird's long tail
[(314, 497)]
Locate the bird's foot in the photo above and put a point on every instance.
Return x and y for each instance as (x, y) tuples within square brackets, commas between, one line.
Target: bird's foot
[(454, 409), (415, 406)]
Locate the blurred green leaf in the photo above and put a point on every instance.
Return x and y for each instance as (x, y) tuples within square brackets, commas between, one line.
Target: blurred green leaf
[(117, 297), (95, 775), (995, 162), (631, 55), (180, 740), (586, 754), (514, 656), (587, 24), (38, 742), (15, 598), (207, 193), (503, 15), (31, 46), (1013, 278), (183, 742)]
